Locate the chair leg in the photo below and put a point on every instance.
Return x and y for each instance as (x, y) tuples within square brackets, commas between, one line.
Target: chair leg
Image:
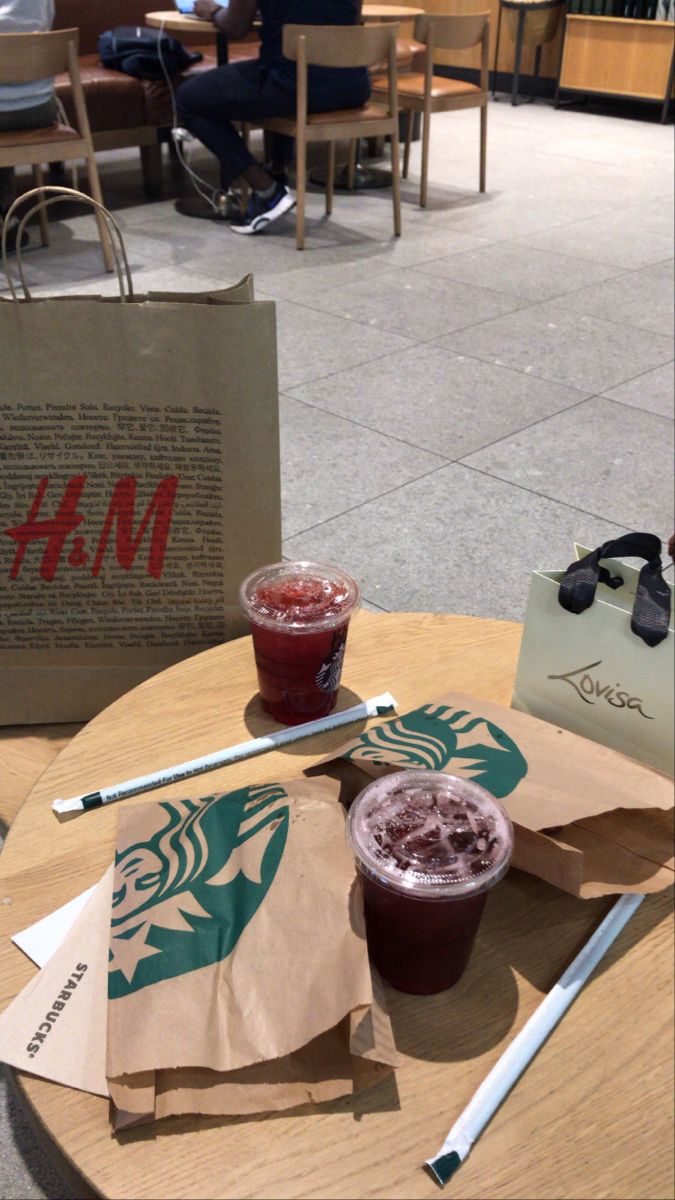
[(351, 164), (396, 178), (408, 140), (426, 129), (483, 145), (39, 181), (330, 178), (300, 188), (151, 166), (95, 188)]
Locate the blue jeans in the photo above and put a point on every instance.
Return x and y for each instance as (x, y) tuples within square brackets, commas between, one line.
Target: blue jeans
[(247, 91)]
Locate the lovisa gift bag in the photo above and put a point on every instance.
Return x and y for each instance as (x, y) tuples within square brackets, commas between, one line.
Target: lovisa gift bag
[(598, 646), (140, 483)]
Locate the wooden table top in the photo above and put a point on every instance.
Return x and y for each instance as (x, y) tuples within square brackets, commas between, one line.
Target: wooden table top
[(390, 12), (591, 1117), (175, 22)]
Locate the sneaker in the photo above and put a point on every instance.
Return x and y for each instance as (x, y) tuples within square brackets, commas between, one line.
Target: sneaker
[(261, 211)]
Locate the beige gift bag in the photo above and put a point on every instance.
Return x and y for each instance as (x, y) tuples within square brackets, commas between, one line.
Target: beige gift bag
[(598, 650), (140, 484)]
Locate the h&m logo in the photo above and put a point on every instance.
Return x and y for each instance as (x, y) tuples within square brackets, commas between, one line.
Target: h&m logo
[(55, 531), (590, 689)]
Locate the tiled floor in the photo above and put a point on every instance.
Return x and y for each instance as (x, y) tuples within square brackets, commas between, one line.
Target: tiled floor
[(460, 405)]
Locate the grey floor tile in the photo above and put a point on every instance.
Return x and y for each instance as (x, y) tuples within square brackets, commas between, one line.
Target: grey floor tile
[(446, 403), (605, 458), (317, 270), (519, 270), (643, 298), (654, 391), (631, 237), (458, 541), (26, 1172), (570, 348), (328, 465), (423, 306), (313, 343)]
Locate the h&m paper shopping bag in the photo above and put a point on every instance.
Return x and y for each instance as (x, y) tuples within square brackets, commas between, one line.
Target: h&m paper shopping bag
[(598, 650), (140, 484)]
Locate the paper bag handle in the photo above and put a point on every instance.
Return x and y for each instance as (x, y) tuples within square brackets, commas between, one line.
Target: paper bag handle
[(57, 194), (651, 611)]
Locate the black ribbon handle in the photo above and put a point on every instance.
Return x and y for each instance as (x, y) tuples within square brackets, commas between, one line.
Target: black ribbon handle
[(651, 611)]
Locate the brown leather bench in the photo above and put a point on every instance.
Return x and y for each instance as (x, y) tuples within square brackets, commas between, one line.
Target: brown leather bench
[(124, 111)]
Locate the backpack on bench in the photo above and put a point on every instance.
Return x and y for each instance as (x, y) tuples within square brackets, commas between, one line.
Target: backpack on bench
[(136, 50)]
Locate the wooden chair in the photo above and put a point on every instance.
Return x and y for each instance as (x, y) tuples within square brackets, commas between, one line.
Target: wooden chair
[(25, 57), (428, 93), (340, 46)]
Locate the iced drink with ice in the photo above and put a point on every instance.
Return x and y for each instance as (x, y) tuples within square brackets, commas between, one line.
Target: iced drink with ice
[(299, 614), (428, 848)]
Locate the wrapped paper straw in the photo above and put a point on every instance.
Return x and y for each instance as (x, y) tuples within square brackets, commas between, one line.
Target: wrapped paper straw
[(485, 1102), (376, 707)]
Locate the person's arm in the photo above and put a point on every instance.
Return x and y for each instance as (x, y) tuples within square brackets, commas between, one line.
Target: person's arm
[(234, 22)]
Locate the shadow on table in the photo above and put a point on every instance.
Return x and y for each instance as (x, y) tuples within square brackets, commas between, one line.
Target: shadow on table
[(530, 929), (257, 722)]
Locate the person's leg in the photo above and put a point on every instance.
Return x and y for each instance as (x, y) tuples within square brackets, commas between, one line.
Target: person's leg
[(207, 105)]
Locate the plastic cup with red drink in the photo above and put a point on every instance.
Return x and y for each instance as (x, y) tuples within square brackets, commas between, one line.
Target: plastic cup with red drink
[(299, 614), (428, 848)]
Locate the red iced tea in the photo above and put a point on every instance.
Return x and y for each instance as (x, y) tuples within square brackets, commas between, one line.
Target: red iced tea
[(299, 614), (428, 848)]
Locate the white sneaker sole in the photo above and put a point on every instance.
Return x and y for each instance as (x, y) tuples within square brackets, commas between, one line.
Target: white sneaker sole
[(260, 223)]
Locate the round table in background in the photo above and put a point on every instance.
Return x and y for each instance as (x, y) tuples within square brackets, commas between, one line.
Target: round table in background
[(590, 1117)]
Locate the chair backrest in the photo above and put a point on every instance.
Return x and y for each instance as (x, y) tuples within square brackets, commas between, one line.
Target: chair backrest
[(341, 45), (451, 31), (25, 57)]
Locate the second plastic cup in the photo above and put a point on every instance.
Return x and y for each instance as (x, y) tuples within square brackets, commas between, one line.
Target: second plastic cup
[(428, 848), (299, 614)]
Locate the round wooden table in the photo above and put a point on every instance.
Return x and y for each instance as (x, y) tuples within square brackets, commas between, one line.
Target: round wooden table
[(175, 22), (390, 12), (591, 1117)]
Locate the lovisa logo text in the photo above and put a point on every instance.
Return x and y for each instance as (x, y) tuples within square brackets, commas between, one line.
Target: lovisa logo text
[(590, 690), (55, 531)]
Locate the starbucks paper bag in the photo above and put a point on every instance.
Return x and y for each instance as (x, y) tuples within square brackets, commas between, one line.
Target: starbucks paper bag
[(238, 972), (354, 1055), (55, 1027), (587, 819)]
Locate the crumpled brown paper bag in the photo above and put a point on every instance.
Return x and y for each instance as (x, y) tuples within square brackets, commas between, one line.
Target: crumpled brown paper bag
[(238, 979), (587, 819)]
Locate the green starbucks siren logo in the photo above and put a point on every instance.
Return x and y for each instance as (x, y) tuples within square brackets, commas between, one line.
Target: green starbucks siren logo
[(183, 898), (436, 736)]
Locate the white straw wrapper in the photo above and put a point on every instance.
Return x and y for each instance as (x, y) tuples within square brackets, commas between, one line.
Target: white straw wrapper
[(517, 1057), (377, 707)]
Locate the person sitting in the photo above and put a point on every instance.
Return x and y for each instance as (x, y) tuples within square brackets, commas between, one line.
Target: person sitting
[(264, 87), (23, 105)]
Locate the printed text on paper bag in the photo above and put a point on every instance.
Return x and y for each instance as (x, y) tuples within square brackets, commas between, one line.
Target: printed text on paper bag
[(590, 689)]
